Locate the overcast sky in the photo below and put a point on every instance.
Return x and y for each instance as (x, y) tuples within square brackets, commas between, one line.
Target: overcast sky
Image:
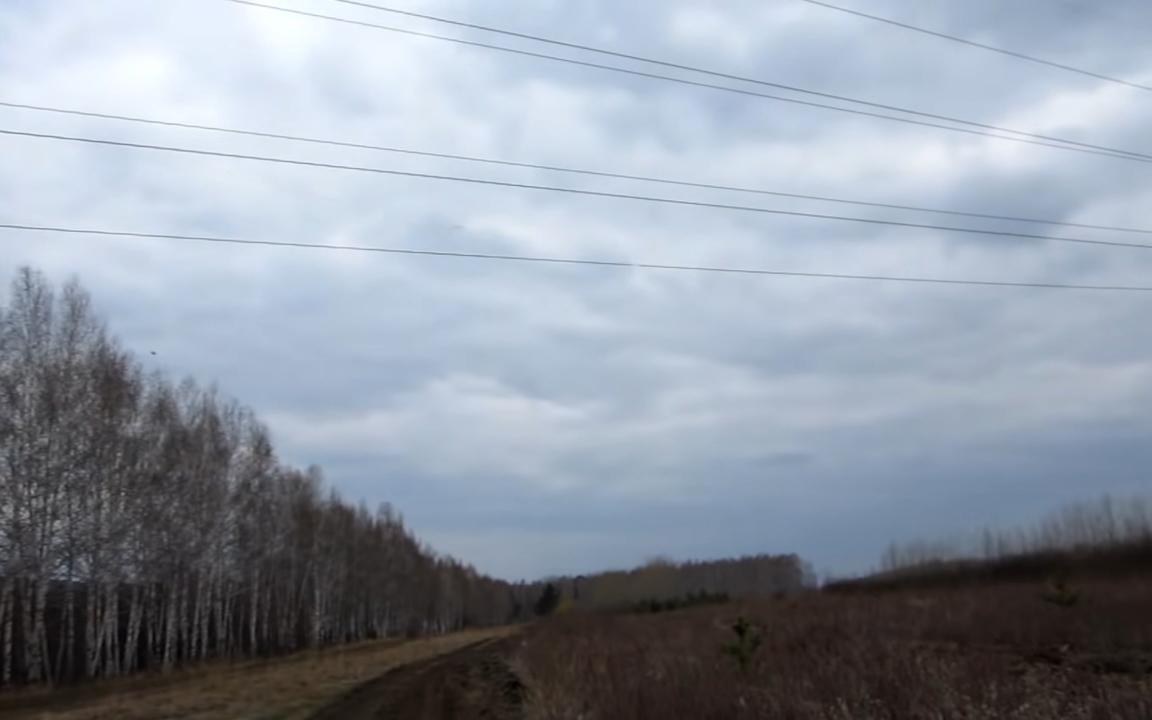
[(536, 419)]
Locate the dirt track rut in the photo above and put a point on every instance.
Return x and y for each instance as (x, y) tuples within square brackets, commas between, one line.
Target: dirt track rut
[(473, 682)]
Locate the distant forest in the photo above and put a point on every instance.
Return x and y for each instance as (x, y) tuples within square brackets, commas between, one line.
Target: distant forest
[(147, 524), (662, 579)]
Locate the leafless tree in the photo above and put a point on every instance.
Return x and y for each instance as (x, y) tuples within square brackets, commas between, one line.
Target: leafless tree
[(146, 524)]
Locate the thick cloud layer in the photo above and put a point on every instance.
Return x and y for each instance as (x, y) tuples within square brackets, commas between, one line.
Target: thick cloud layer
[(537, 419)]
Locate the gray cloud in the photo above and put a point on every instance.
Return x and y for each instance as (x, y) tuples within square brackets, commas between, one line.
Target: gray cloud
[(542, 419)]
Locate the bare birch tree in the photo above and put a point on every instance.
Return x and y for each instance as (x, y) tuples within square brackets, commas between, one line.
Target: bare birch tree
[(148, 525)]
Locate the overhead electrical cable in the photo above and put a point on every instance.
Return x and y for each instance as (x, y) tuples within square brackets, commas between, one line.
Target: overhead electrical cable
[(568, 170), (973, 43), (568, 261), (655, 61), (1019, 136), (574, 191)]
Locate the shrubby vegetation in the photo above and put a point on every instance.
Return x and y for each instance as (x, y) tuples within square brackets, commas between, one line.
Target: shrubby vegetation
[(1084, 526), (1055, 621), (1103, 537), (981, 652), (679, 603)]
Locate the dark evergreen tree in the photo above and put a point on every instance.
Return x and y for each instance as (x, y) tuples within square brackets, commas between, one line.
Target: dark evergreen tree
[(549, 600)]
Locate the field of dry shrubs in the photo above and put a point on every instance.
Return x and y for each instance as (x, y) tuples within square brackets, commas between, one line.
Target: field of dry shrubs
[(1007, 650)]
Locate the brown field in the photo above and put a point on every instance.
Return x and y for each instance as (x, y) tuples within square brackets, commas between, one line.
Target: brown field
[(285, 688), (990, 651)]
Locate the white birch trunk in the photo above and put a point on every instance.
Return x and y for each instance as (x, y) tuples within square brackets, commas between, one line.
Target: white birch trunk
[(7, 629)]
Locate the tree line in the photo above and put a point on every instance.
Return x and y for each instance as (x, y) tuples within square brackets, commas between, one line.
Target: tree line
[(145, 524), (661, 580)]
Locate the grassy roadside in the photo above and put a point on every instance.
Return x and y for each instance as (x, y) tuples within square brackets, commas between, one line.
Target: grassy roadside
[(287, 688)]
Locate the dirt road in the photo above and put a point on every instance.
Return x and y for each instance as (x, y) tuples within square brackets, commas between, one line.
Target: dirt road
[(290, 687), (473, 682)]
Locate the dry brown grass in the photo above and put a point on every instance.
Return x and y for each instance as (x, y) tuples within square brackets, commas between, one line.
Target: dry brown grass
[(282, 689), (982, 652)]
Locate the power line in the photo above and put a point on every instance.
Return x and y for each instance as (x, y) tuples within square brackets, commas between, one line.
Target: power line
[(570, 170), (569, 261), (690, 68), (973, 43), (575, 191), (1044, 141)]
